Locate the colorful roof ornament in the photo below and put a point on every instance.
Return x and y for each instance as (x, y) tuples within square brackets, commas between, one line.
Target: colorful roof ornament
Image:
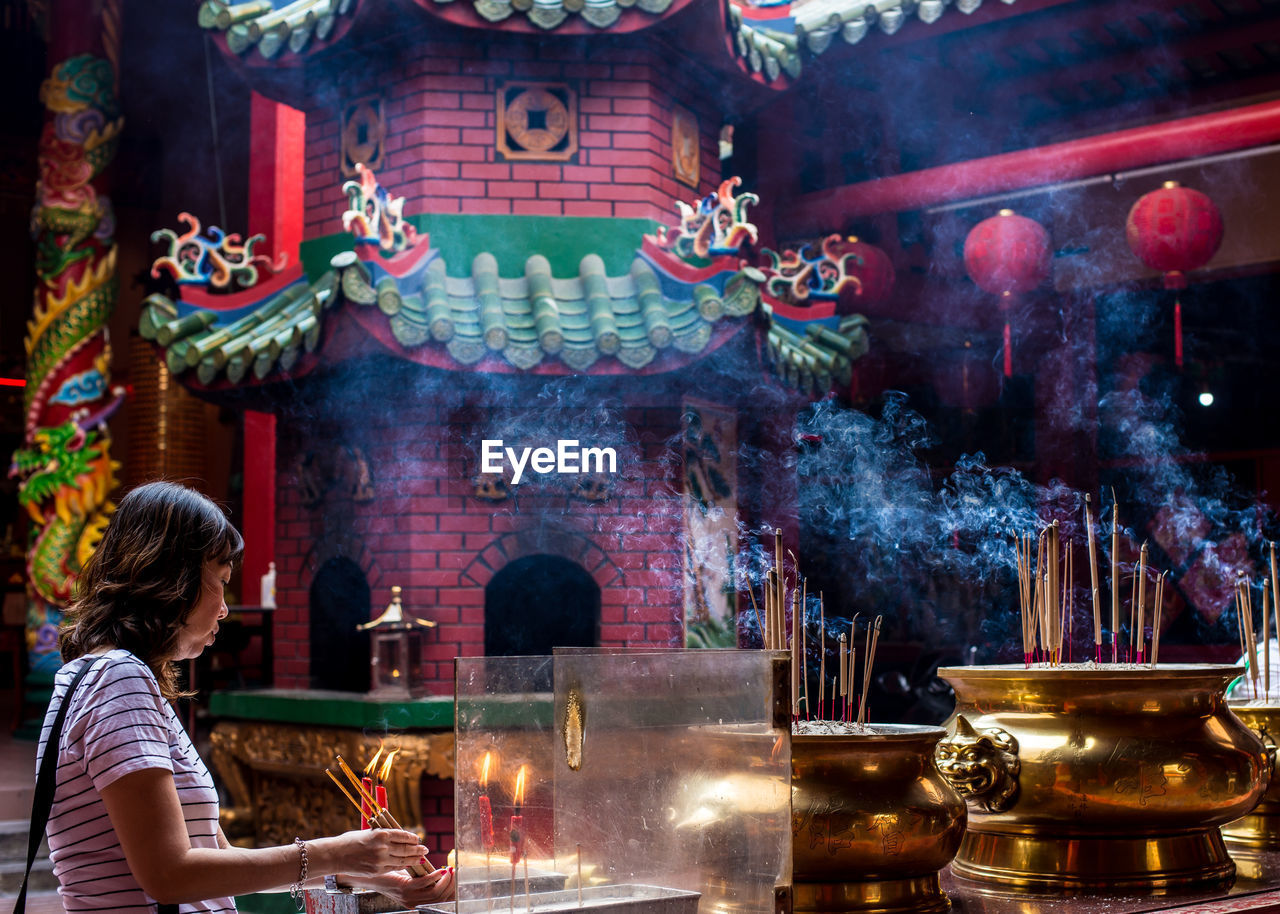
[(219, 261), (769, 37), (374, 216), (274, 29), (714, 226), (814, 337), (843, 270)]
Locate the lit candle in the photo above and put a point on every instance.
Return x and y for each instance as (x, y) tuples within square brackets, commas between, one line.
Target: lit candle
[(486, 810), (365, 809), (517, 820), (384, 775)]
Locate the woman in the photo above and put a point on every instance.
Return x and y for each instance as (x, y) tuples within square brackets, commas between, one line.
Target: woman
[(135, 815)]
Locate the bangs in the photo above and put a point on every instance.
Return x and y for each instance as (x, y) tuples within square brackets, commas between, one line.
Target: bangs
[(228, 544)]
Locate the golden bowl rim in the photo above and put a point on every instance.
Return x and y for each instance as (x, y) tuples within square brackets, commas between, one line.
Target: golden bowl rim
[(1106, 672), (883, 733)]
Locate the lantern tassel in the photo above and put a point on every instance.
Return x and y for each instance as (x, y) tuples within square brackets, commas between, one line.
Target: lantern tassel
[(1177, 332), (1008, 352)]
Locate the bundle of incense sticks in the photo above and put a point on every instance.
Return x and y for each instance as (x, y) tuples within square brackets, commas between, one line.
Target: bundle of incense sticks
[(1248, 641), (1046, 597), (776, 635), (381, 817), (1259, 667)]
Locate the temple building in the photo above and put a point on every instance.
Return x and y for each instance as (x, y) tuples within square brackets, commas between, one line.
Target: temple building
[(509, 326)]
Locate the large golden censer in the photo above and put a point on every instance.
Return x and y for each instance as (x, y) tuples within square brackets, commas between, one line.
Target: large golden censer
[(1260, 829), (1084, 778), (873, 821)]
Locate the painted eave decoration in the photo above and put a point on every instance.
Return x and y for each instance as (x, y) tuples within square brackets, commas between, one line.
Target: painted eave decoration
[(275, 30), (243, 336), (771, 37), (676, 303), (683, 286)]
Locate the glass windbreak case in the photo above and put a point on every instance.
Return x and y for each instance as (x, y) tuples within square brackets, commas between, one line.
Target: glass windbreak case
[(642, 782)]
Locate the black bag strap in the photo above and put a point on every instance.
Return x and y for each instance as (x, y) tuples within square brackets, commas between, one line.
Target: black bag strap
[(46, 784)]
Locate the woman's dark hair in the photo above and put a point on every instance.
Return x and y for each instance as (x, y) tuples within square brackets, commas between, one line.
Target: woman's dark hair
[(147, 574)]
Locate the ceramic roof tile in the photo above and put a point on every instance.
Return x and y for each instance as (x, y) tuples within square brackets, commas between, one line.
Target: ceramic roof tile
[(772, 44), (527, 320), (272, 29)]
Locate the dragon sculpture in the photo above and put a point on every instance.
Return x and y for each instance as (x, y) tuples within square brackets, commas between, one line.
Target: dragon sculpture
[(64, 467)]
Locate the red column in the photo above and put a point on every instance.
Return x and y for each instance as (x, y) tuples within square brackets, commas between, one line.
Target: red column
[(276, 149)]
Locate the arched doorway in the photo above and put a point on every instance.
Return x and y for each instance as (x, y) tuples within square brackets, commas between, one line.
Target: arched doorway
[(340, 600), (538, 603)]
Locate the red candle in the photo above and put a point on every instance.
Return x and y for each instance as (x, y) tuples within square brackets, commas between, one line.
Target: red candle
[(365, 810), (486, 823), (381, 796)]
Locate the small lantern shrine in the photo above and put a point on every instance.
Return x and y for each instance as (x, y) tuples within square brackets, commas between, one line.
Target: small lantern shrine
[(395, 651)]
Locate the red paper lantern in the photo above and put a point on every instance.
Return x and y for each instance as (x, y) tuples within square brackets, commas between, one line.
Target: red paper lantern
[(1007, 255), (1174, 229)]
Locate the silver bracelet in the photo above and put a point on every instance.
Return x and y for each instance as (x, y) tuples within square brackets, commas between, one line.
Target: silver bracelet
[(295, 890)]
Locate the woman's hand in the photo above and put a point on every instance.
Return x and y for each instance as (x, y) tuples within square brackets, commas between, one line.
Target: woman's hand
[(409, 891), (367, 853)]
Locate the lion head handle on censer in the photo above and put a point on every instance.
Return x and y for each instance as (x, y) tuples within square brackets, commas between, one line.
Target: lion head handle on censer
[(982, 765)]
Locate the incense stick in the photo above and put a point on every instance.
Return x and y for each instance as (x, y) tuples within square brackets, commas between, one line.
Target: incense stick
[(1266, 640), (1093, 581), (1142, 600), (872, 637), (1054, 623), (346, 793), (1159, 615), (795, 659), (1115, 577), (804, 645), (1247, 588), (1133, 603), (822, 653), (853, 665)]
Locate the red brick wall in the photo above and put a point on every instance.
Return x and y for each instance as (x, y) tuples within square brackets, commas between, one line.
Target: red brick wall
[(426, 531), (437, 817), (441, 147)]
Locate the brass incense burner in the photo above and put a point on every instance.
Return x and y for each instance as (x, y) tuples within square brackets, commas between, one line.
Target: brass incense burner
[(1260, 829), (1087, 778), (873, 821)]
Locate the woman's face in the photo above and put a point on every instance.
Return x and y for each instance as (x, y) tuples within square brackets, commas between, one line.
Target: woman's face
[(202, 623)]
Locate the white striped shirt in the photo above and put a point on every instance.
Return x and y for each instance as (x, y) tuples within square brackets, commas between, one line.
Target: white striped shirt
[(118, 723)]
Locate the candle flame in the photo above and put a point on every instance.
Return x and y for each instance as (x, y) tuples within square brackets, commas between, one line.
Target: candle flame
[(384, 773), (484, 770), (520, 786), (373, 762)]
